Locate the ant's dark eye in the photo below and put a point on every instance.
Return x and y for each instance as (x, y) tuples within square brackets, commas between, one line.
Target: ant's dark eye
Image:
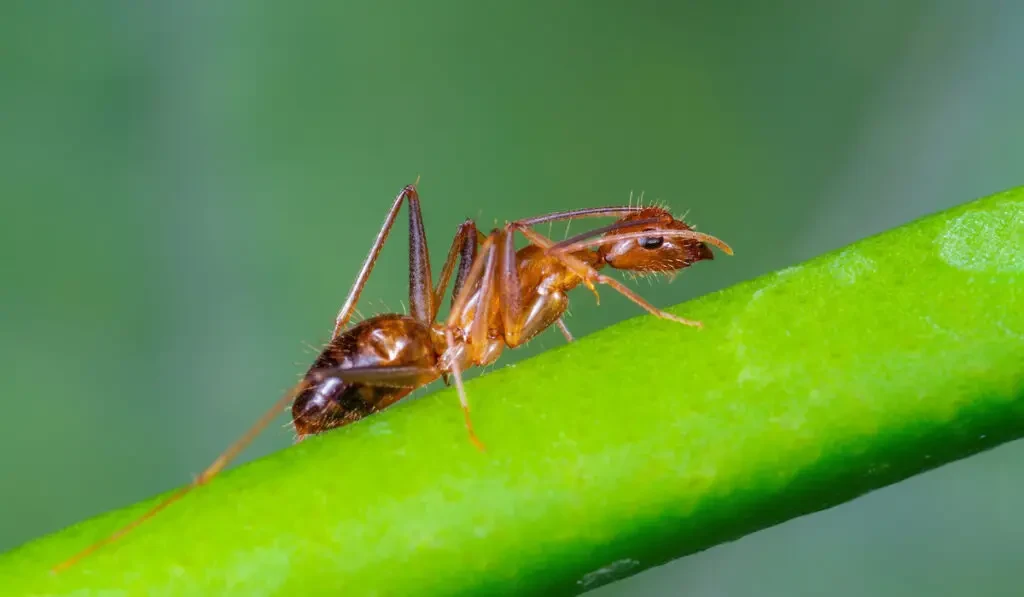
[(652, 242)]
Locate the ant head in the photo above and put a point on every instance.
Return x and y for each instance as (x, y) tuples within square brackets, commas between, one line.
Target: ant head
[(649, 245)]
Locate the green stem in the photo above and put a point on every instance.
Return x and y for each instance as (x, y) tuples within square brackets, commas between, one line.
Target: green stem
[(642, 443)]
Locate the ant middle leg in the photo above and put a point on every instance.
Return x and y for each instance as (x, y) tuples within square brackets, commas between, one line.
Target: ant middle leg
[(565, 331), (463, 251), (470, 316)]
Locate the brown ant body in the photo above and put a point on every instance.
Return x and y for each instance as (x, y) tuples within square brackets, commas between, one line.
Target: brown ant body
[(502, 297)]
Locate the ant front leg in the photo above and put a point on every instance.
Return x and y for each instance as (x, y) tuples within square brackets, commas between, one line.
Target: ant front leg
[(524, 315)]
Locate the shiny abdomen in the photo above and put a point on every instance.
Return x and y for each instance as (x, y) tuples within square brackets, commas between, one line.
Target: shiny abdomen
[(379, 342)]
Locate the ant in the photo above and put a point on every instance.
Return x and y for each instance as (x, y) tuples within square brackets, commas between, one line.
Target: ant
[(502, 297)]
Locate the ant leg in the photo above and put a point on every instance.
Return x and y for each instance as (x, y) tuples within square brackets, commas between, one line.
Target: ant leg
[(399, 376), (421, 298), (466, 259), (461, 389), (410, 377), (517, 328), (511, 289), (591, 276), (459, 352), (384, 376), (565, 331), (349, 306), (478, 329), (205, 477), (421, 293), (463, 250)]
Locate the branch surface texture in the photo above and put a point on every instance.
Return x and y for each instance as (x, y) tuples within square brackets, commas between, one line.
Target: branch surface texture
[(642, 443)]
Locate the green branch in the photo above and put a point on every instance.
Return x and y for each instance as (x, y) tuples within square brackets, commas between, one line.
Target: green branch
[(642, 443)]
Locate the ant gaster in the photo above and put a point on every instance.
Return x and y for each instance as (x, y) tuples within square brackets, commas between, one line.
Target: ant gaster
[(502, 297)]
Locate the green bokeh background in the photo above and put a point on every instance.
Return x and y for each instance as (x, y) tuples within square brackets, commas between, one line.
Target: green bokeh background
[(188, 190)]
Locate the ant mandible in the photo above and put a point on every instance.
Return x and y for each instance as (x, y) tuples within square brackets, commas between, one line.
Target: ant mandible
[(502, 297)]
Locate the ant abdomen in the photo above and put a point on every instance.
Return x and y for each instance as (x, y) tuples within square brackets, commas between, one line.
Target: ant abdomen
[(327, 404), (379, 343)]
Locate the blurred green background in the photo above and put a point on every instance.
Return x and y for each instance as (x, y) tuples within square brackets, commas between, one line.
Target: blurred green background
[(188, 189)]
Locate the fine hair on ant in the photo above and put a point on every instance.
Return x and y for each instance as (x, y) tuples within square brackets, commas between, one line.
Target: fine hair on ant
[(501, 298)]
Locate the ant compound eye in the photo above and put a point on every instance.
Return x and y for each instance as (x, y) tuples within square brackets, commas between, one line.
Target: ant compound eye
[(651, 242)]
